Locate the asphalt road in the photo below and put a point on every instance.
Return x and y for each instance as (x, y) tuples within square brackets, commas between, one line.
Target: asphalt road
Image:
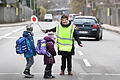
[(97, 60)]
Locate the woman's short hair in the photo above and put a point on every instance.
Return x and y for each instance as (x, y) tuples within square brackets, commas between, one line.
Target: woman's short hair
[(64, 16)]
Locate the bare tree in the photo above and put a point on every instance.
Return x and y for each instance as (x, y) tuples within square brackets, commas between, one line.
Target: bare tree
[(48, 4), (76, 5)]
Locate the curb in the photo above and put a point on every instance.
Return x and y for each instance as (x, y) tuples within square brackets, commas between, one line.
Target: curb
[(117, 31), (13, 25), (16, 24)]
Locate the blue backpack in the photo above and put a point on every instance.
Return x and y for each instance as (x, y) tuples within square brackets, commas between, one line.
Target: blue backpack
[(21, 45), (41, 48)]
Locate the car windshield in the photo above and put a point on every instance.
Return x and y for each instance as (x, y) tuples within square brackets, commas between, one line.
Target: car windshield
[(84, 21)]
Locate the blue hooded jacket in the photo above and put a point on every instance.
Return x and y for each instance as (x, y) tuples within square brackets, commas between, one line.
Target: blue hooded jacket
[(29, 36)]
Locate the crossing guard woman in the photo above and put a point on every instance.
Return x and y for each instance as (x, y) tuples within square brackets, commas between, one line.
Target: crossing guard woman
[(66, 34)]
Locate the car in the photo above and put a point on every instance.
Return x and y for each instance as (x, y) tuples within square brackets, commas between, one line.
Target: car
[(88, 26), (72, 16), (48, 17)]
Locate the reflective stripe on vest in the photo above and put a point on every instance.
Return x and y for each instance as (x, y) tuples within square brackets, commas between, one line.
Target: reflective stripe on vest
[(65, 37)]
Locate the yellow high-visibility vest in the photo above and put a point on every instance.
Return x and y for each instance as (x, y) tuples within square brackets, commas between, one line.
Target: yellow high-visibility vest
[(64, 37)]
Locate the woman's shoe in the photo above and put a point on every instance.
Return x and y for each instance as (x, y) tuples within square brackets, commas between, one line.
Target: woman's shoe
[(62, 73), (70, 73)]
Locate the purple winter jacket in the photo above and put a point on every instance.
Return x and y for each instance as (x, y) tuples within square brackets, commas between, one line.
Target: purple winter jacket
[(50, 48)]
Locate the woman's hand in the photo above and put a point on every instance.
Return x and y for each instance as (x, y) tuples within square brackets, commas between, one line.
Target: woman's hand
[(81, 45), (44, 31)]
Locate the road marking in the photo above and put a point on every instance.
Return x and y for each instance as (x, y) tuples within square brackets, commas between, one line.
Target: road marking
[(43, 73), (90, 73), (19, 36), (106, 74), (86, 62), (11, 33), (80, 53), (112, 74), (22, 73), (5, 28), (8, 73), (11, 37)]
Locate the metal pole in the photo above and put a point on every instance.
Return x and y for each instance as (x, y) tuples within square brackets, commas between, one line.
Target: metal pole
[(30, 4), (34, 5), (86, 9)]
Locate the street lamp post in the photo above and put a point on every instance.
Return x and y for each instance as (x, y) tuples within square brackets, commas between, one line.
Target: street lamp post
[(30, 4), (34, 5), (86, 7), (86, 3)]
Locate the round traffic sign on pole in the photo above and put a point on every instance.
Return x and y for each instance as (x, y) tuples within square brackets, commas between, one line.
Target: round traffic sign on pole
[(34, 19)]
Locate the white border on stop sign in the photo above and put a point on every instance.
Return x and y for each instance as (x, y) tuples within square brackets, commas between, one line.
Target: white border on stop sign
[(32, 19)]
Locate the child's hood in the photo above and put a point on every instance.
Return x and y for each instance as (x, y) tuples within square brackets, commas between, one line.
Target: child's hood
[(26, 34), (47, 38)]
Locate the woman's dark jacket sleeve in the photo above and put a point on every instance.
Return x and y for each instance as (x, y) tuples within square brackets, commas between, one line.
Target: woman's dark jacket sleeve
[(53, 30), (74, 35)]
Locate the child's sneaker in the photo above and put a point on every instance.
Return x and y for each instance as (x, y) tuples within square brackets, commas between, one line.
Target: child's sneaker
[(53, 76), (49, 77), (47, 74), (27, 74)]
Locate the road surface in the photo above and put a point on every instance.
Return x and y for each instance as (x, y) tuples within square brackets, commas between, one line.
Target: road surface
[(97, 60)]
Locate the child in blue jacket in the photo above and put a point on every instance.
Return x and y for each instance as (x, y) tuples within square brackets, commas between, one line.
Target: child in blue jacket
[(31, 52)]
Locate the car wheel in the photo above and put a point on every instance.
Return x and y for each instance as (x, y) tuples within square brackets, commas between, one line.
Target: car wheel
[(97, 38), (101, 37)]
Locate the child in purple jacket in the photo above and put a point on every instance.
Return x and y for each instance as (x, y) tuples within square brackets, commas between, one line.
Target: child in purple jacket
[(49, 61)]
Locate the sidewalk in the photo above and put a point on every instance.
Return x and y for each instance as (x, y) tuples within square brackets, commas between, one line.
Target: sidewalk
[(15, 24), (111, 28)]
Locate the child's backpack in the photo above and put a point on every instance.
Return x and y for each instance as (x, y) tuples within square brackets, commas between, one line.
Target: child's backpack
[(41, 48), (21, 46)]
